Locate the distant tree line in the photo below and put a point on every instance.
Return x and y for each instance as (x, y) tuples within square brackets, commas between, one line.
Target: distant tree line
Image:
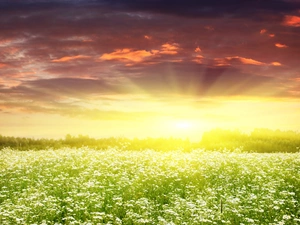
[(259, 140)]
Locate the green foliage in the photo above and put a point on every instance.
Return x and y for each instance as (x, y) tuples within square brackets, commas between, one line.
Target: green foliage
[(259, 140), (159, 144), (86, 186)]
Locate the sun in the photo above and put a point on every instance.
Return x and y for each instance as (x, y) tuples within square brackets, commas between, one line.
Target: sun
[(183, 125)]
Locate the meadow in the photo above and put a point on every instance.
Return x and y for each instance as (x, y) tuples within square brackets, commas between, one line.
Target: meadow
[(87, 186)]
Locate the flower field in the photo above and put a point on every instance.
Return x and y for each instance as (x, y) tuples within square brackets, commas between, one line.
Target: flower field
[(85, 186)]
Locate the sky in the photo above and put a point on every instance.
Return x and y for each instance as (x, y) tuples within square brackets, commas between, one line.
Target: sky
[(148, 68)]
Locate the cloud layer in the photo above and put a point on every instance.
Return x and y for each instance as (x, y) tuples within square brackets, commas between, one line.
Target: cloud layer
[(58, 54)]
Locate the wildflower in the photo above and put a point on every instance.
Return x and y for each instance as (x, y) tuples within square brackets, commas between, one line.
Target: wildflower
[(286, 217), (249, 220)]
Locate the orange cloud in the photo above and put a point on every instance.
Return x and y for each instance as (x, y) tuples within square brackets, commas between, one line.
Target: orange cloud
[(263, 31), (2, 65), (130, 56), (250, 61), (278, 45), (69, 58), (246, 60), (5, 42), (79, 38), (292, 21), (198, 59), (169, 49), (12, 50), (87, 40), (221, 62), (154, 51), (276, 64), (127, 54), (198, 49), (210, 28), (24, 75), (227, 61), (147, 37)]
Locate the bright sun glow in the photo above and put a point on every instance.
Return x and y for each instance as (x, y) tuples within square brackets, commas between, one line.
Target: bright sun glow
[(184, 125)]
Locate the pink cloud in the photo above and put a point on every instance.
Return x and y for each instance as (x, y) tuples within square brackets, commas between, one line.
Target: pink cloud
[(210, 28)]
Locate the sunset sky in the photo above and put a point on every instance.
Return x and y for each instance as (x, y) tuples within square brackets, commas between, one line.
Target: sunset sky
[(140, 68)]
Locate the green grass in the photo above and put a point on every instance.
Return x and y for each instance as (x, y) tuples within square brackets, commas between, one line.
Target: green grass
[(84, 186)]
